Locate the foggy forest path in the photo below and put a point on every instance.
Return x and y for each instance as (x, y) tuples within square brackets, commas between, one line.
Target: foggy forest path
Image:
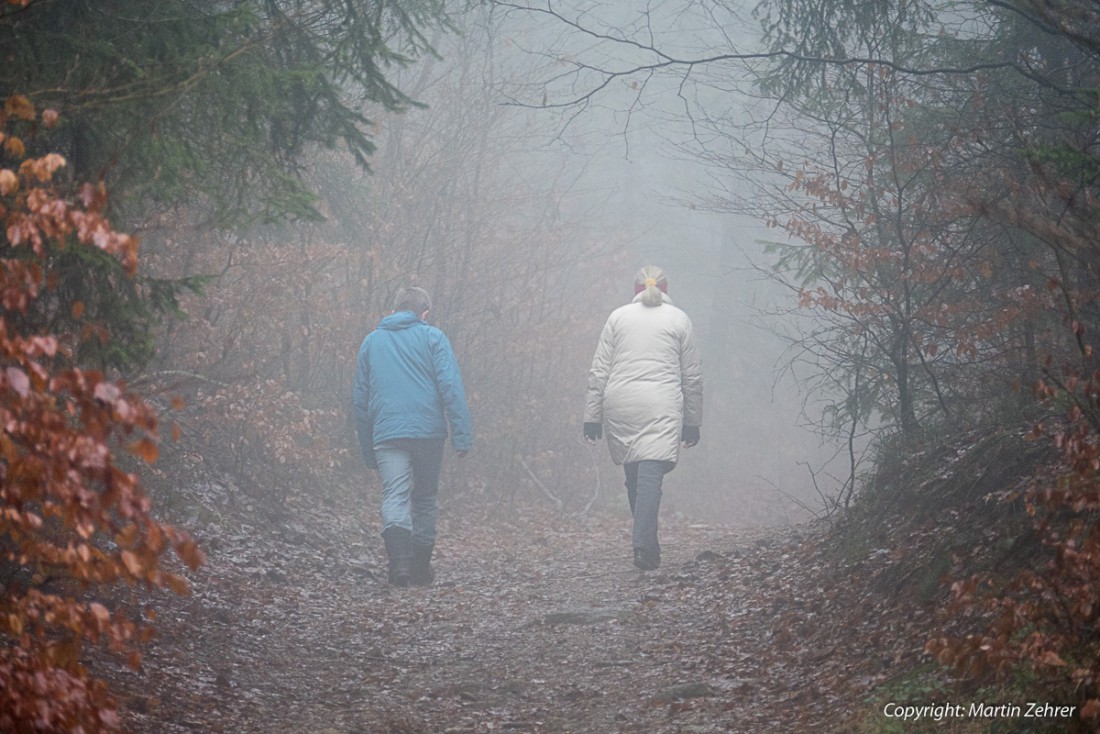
[(541, 628)]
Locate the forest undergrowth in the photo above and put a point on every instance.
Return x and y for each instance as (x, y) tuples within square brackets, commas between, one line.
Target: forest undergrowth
[(539, 622)]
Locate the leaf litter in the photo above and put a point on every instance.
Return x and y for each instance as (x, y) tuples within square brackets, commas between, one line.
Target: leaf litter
[(539, 624)]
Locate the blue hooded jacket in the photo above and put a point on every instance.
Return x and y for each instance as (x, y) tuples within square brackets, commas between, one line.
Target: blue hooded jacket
[(408, 385)]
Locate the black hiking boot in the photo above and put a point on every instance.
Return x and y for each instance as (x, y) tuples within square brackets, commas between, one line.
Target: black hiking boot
[(647, 560), (421, 573), (398, 548)]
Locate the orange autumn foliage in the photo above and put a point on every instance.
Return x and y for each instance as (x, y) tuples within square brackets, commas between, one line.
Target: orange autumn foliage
[(72, 520), (1046, 617)]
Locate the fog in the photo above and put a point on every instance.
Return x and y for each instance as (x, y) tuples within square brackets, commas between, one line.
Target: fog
[(523, 196), (638, 173), (761, 447), (880, 217)]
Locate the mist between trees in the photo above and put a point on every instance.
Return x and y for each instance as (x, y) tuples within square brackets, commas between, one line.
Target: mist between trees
[(521, 169), (925, 172), (880, 219), (928, 171), (526, 242)]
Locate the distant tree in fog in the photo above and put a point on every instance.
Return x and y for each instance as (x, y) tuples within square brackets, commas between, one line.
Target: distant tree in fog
[(934, 167), (199, 117), (880, 143), (460, 202), (212, 106)]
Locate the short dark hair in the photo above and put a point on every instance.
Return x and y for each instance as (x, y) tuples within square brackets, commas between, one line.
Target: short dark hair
[(412, 299)]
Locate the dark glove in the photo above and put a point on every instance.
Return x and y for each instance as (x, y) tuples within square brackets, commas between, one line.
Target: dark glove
[(690, 435), (593, 431)]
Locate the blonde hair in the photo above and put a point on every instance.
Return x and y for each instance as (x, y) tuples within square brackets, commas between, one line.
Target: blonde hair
[(651, 282)]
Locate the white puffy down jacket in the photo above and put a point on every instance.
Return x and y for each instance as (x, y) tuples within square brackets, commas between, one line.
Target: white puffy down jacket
[(646, 382)]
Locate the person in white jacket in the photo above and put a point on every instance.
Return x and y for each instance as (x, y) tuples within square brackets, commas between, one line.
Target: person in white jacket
[(645, 391)]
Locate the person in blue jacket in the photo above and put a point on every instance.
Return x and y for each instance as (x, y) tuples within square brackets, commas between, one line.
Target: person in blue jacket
[(408, 390)]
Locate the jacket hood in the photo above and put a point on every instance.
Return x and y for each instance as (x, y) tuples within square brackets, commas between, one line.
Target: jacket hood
[(399, 320)]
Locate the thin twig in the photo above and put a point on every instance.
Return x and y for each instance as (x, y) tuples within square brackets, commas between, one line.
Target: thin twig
[(540, 485), (596, 468)]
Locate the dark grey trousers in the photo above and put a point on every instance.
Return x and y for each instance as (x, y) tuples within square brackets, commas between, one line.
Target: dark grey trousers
[(643, 491)]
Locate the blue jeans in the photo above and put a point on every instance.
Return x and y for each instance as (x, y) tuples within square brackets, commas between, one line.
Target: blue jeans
[(643, 491), (409, 468)]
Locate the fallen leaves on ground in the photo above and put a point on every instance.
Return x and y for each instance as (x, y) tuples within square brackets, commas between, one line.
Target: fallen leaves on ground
[(539, 625)]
